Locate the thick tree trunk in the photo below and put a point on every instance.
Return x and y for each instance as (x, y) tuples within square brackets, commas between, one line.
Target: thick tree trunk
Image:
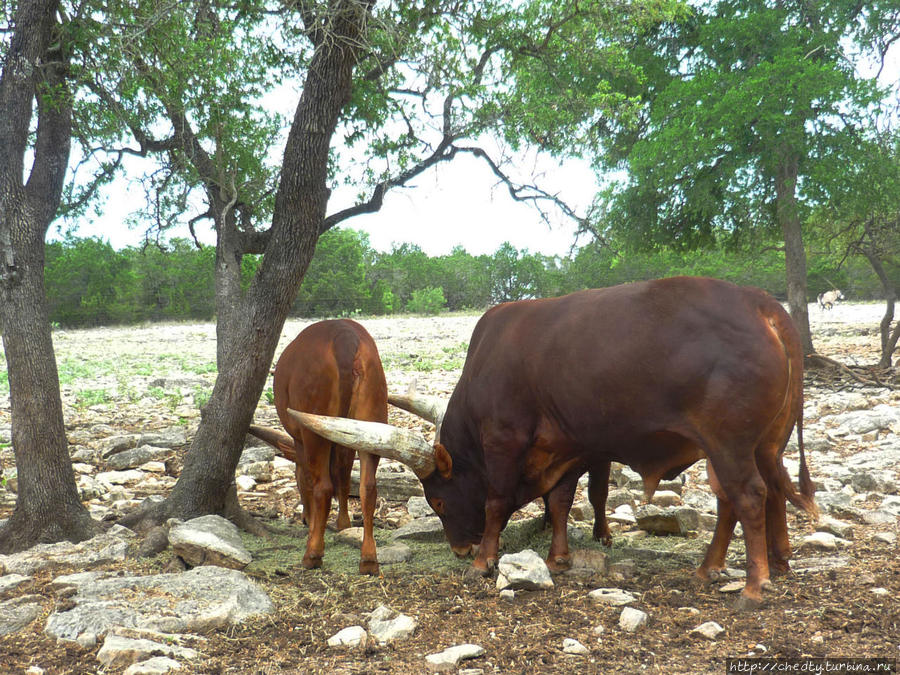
[(229, 300), (47, 506), (788, 216), (300, 208)]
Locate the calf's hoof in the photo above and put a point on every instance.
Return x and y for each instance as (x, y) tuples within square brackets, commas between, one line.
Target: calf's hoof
[(369, 567)]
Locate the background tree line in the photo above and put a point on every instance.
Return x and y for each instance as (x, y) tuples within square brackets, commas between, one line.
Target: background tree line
[(90, 284)]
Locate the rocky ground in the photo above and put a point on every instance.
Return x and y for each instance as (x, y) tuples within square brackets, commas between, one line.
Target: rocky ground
[(131, 401)]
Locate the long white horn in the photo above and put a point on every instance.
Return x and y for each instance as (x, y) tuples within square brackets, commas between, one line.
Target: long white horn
[(430, 408), (404, 445)]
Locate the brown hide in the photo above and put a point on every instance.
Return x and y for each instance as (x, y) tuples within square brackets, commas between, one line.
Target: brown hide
[(655, 375), (331, 368)]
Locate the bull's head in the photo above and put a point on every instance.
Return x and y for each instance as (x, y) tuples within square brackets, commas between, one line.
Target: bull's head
[(456, 493)]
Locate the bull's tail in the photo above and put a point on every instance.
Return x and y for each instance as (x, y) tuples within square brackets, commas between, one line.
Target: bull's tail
[(806, 498), (346, 352)]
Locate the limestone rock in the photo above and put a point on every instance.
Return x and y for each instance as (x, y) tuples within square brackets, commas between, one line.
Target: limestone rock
[(614, 597), (352, 636), (450, 657), (111, 546), (631, 619), (209, 540), (118, 651), (198, 600), (523, 570), (421, 529), (709, 630)]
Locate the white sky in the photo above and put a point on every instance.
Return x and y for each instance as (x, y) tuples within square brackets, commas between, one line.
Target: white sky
[(456, 204)]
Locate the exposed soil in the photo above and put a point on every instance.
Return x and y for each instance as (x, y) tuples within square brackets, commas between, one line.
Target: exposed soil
[(834, 613)]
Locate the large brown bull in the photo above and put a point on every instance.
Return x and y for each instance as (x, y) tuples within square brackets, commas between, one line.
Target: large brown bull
[(331, 368), (655, 375)]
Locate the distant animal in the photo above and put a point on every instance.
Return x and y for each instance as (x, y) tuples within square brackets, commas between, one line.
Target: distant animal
[(331, 368), (656, 375), (828, 298)]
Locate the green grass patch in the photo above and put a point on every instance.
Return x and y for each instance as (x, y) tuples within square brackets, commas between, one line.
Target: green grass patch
[(85, 398)]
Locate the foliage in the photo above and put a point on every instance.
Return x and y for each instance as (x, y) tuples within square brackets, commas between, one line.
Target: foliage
[(347, 276), (428, 301)]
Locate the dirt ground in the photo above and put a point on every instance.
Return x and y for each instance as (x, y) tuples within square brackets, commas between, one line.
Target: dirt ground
[(835, 613)]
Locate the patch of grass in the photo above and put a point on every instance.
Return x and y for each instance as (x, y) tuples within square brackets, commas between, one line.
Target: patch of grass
[(4, 381), (172, 399), (201, 396), (79, 369), (85, 398)]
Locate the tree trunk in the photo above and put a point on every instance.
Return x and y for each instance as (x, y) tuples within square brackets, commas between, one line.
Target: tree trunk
[(300, 208), (788, 217), (47, 506), (228, 283), (888, 339)]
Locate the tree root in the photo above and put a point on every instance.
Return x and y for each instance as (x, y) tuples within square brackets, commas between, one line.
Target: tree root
[(837, 375)]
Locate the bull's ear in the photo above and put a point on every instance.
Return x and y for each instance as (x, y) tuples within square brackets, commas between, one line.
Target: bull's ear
[(443, 460)]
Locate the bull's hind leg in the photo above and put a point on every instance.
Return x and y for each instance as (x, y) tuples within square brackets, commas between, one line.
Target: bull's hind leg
[(745, 490), (559, 502), (598, 491), (318, 453), (368, 495), (341, 468), (714, 561)]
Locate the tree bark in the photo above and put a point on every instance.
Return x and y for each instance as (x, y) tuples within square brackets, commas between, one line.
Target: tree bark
[(300, 208), (48, 508), (788, 217), (889, 339)]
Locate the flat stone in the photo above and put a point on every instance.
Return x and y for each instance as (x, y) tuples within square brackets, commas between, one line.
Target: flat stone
[(421, 529), (209, 540), (732, 587), (157, 665), (118, 651), (351, 536), (394, 554), (590, 559), (17, 613), (195, 601), (838, 528), (135, 457), (10, 582), (879, 518), (615, 597), (418, 507), (111, 546), (395, 481), (709, 630), (823, 541), (819, 564), (450, 657), (572, 646)]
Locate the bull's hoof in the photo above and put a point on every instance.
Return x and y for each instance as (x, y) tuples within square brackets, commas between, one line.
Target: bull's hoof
[(604, 537), (779, 566), (745, 603), (710, 574), (369, 567), (560, 563), (312, 562)]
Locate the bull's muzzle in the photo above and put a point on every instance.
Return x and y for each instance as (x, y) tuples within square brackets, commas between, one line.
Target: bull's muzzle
[(466, 551)]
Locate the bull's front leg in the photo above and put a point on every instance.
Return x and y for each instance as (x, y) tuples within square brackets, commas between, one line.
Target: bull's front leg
[(497, 511)]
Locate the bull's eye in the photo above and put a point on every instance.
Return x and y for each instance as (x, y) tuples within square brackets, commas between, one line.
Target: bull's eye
[(438, 506)]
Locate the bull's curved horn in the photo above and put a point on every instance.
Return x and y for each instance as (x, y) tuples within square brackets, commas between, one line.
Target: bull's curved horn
[(430, 408), (392, 442)]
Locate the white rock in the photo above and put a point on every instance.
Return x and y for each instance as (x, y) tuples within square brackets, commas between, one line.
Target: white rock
[(352, 636), (710, 630), (632, 619), (572, 646), (245, 483), (823, 541), (889, 538), (398, 628), (451, 656), (158, 665), (614, 597), (525, 569)]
